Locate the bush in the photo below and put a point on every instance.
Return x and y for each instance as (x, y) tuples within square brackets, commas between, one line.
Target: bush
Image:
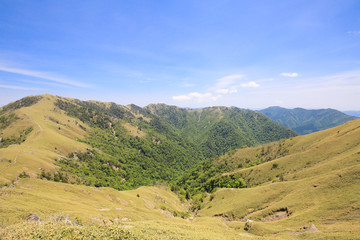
[(212, 197), (24, 175), (275, 165)]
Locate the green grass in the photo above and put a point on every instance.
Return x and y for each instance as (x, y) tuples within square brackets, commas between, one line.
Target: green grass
[(43, 144), (50, 230), (315, 179)]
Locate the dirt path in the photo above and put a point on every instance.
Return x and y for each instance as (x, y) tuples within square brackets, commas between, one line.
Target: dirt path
[(13, 162), (21, 146), (32, 119)]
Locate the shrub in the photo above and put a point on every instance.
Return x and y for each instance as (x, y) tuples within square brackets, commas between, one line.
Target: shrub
[(275, 165), (212, 197), (24, 175)]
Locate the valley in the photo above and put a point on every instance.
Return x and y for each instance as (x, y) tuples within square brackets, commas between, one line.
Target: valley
[(212, 173)]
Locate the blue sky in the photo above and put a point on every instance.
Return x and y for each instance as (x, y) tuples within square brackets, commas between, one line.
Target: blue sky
[(249, 54)]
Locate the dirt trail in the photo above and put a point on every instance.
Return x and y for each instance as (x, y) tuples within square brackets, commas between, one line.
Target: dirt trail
[(13, 162), (32, 119), (21, 146)]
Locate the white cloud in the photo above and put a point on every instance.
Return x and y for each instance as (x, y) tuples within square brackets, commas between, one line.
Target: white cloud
[(228, 80), (18, 87), (289, 74), (227, 90), (223, 86), (250, 84), (199, 97), (227, 84), (43, 75), (353, 32)]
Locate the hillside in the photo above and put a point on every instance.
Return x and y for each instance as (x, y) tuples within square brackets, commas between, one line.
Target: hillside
[(307, 121), (303, 180), (117, 147), (106, 144), (306, 187), (216, 130)]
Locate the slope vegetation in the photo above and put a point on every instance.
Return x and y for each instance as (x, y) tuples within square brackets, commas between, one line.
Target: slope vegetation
[(305, 187), (106, 144), (309, 189), (217, 130), (38, 133), (312, 179)]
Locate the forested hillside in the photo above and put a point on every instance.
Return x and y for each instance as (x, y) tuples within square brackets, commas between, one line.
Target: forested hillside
[(305, 121), (216, 130), (126, 146)]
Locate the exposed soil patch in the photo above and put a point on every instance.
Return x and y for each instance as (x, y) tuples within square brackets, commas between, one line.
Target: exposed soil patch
[(103, 209), (311, 229), (277, 215)]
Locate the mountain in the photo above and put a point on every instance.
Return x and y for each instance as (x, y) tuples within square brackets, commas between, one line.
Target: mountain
[(352, 113), (307, 179), (106, 144), (216, 130), (305, 187), (307, 121)]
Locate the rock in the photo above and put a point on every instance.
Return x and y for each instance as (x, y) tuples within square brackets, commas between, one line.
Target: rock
[(248, 225), (33, 217), (312, 229)]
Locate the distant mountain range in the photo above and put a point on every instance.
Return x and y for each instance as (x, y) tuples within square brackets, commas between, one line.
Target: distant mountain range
[(305, 121), (352, 113)]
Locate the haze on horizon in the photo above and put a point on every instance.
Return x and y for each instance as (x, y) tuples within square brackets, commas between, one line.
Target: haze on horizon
[(248, 54)]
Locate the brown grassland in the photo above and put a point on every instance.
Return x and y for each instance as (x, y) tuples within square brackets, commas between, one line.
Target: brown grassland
[(316, 182)]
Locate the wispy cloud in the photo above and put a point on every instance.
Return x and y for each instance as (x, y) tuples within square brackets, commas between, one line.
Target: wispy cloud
[(226, 90), (357, 33), (199, 97), (18, 87), (228, 80), (250, 84), (289, 74), (39, 82), (43, 75), (227, 84)]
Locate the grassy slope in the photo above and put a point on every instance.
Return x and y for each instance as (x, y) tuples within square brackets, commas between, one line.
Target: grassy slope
[(44, 144), (55, 134), (322, 184), (143, 216)]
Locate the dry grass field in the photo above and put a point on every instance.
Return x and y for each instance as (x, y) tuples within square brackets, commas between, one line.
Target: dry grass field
[(315, 182)]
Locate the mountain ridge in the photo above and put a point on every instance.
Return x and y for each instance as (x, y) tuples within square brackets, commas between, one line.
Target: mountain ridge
[(127, 140), (306, 121)]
